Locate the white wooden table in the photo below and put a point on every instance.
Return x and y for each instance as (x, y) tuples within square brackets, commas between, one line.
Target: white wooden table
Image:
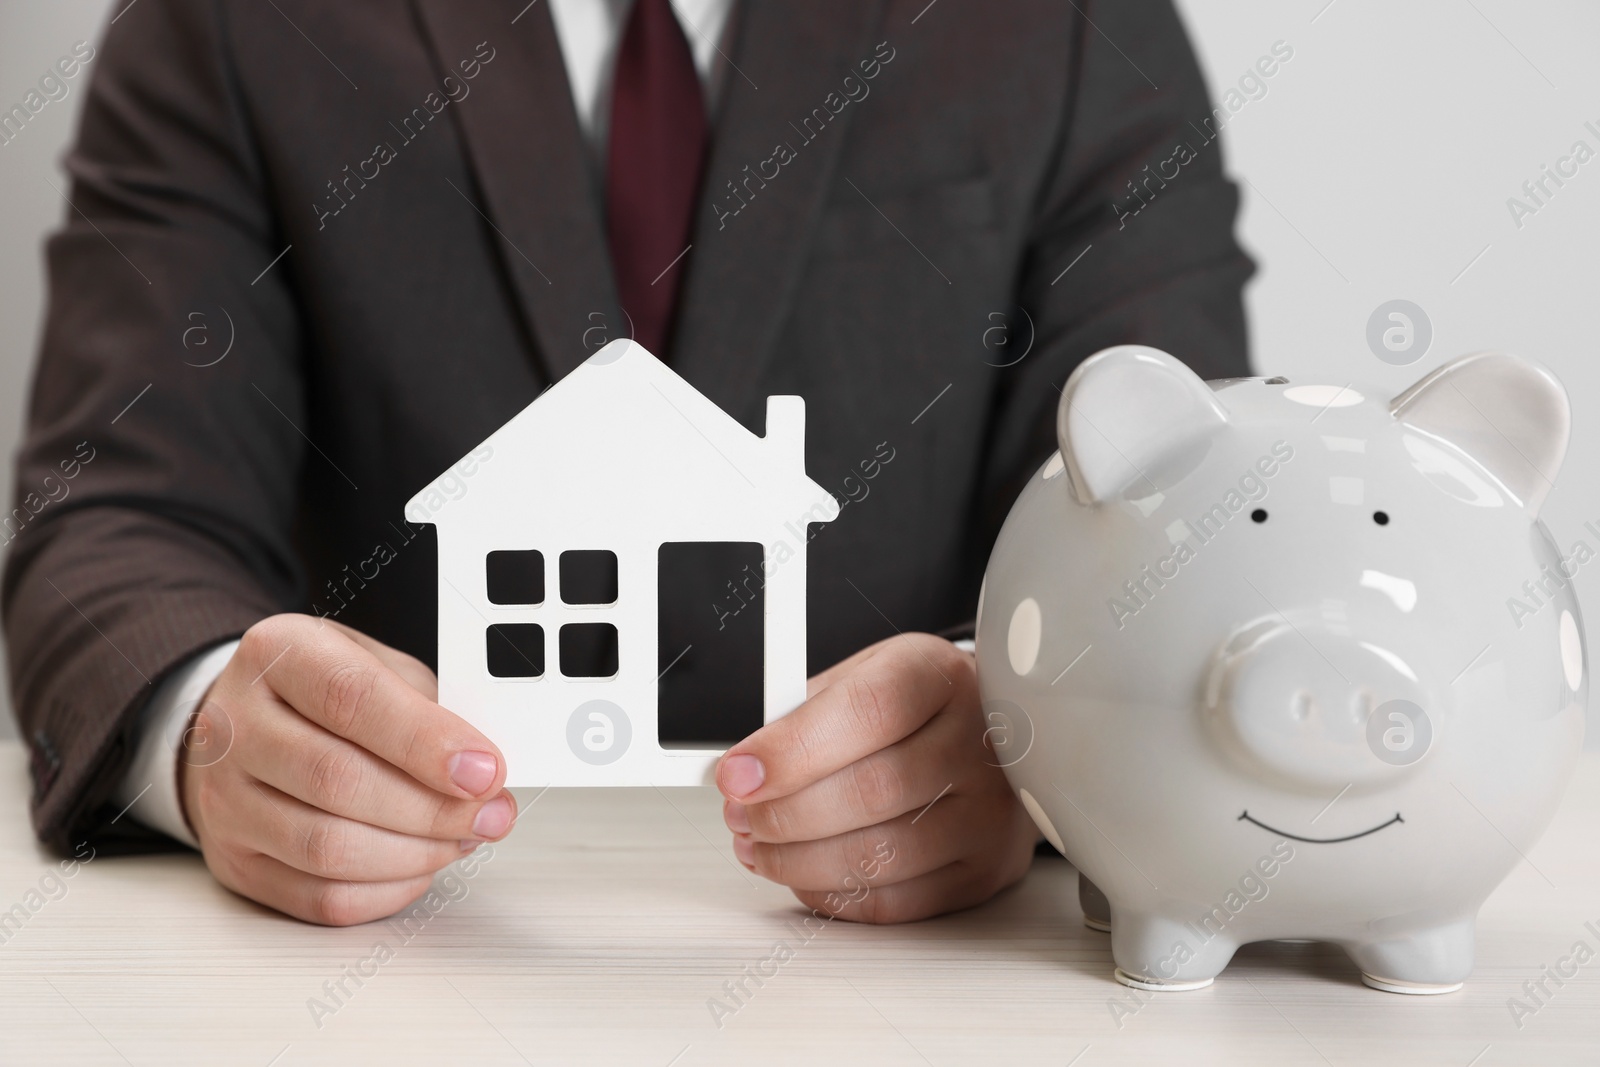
[(603, 927)]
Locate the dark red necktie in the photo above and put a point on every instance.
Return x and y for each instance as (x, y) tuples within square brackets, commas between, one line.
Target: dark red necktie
[(657, 145)]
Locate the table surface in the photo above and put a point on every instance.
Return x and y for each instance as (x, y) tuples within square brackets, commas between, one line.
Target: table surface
[(604, 928)]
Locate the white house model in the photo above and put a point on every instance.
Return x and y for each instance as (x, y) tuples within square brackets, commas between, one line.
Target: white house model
[(619, 457)]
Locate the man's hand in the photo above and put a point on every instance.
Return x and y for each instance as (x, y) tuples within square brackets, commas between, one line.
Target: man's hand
[(323, 780), (877, 799)]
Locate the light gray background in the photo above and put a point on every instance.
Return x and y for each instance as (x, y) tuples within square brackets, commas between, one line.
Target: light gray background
[(1376, 166)]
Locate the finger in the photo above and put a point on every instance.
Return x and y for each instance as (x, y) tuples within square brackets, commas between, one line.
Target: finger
[(298, 757), (883, 699), (820, 681), (342, 687), (331, 846), (950, 888), (327, 901), (413, 670), (889, 852), (904, 777)]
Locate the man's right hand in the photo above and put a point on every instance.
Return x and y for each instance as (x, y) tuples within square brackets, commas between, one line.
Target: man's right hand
[(322, 779)]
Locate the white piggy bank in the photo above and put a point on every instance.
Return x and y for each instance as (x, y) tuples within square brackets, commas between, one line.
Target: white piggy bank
[(1273, 661)]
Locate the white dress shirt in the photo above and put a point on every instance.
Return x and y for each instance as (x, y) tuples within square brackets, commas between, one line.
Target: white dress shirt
[(589, 32)]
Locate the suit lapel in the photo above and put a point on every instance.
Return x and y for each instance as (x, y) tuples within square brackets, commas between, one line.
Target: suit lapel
[(533, 176), (744, 268)]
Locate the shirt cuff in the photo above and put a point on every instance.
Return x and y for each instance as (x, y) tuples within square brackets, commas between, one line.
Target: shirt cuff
[(965, 631), (149, 791)]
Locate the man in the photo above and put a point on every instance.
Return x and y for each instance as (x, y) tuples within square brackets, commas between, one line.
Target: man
[(394, 224)]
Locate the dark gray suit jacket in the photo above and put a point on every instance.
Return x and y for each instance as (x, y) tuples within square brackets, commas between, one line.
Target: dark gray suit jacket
[(866, 242)]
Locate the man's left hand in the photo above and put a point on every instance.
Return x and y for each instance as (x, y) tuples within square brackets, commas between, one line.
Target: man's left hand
[(878, 799)]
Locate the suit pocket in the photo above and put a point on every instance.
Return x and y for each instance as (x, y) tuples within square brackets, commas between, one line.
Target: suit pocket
[(856, 220)]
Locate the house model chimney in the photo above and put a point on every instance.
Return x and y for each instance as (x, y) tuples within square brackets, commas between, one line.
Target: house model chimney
[(786, 430)]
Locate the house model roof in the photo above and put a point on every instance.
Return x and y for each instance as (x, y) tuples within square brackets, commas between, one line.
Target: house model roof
[(623, 442)]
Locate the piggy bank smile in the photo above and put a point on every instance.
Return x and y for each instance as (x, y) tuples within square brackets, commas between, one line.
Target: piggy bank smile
[(1288, 661), (1246, 816)]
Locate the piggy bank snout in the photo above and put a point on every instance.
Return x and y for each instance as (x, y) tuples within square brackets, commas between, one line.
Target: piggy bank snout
[(1297, 702)]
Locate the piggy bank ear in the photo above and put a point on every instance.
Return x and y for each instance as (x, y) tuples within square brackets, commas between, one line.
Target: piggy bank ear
[(1126, 414), (1509, 414)]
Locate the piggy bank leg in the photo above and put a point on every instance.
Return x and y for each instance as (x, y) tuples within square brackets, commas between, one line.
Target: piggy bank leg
[(1428, 961), (1096, 908), (1158, 953)]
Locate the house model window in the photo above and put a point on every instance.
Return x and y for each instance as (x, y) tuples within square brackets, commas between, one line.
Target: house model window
[(588, 581), (622, 575), (586, 645)]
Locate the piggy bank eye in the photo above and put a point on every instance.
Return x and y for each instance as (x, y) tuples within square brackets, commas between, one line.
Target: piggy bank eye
[(1258, 515), (1381, 518)]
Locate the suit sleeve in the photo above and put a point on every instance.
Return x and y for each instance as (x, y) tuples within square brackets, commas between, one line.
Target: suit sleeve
[(1121, 254), (156, 480)]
